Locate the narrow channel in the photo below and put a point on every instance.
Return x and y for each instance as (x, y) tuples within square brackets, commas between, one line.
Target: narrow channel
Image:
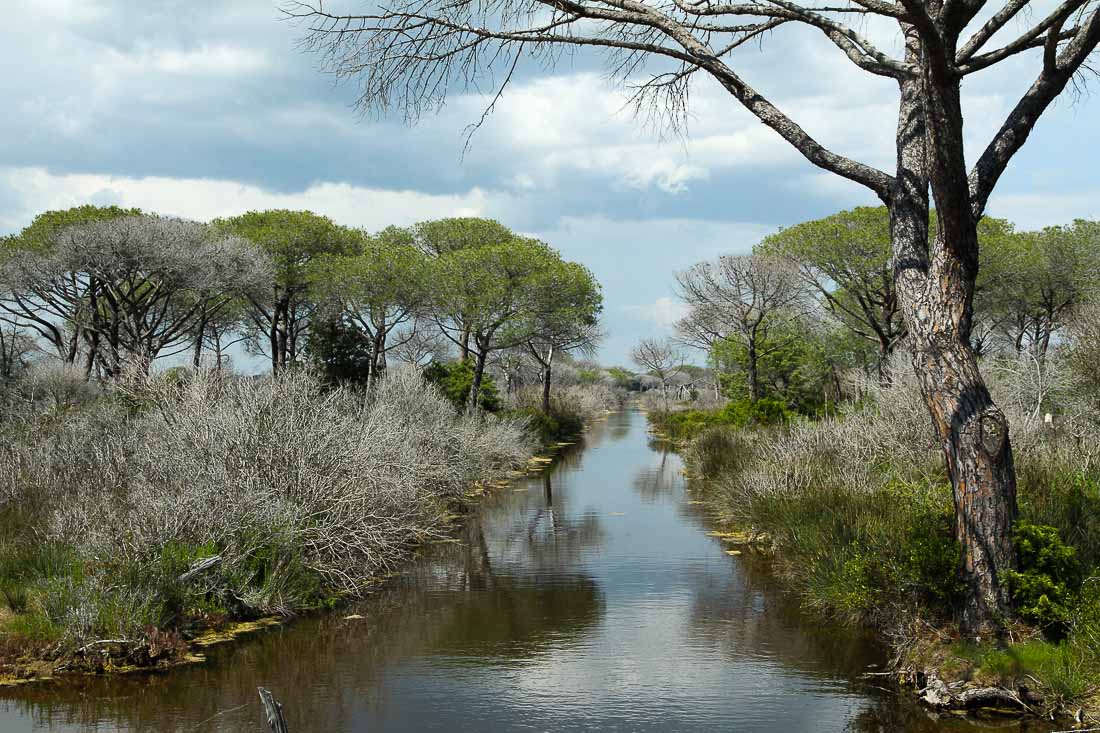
[(589, 597)]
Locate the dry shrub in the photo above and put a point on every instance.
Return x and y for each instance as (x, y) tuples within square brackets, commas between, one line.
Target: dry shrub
[(585, 401), (302, 491)]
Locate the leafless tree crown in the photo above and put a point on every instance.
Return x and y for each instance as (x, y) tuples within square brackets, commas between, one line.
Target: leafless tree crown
[(409, 54)]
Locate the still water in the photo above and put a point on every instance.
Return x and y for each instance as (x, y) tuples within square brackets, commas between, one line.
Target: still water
[(588, 598)]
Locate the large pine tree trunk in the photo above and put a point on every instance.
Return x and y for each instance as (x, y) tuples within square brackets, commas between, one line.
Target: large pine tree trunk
[(935, 285), (973, 434)]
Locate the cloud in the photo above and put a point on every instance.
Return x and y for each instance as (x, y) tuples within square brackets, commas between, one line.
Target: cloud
[(25, 192), (1040, 209), (203, 108), (664, 312)]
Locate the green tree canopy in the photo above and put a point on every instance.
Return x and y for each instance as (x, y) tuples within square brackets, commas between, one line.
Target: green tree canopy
[(566, 307), (294, 240), (492, 294), (380, 287), (441, 236), (1030, 282)]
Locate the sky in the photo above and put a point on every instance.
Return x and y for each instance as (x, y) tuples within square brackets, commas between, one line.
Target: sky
[(205, 108)]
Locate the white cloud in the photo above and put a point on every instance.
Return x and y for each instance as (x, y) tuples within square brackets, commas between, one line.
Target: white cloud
[(1041, 209), (37, 190), (664, 312)]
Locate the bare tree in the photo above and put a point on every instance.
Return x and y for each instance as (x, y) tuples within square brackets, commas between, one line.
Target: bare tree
[(420, 343), (133, 287), (16, 345), (746, 300), (661, 359), (410, 53)]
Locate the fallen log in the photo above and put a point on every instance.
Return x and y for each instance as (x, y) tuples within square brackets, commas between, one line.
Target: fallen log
[(199, 566)]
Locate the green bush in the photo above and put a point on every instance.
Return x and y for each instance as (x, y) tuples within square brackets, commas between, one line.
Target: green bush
[(688, 424), (559, 425), (765, 411), (340, 349), (1046, 585), (1054, 492), (859, 552), (455, 379)]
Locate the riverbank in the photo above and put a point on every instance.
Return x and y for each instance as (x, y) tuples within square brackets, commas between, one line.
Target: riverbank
[(205, 508), (138, 519), (585, 597), (855, 513)]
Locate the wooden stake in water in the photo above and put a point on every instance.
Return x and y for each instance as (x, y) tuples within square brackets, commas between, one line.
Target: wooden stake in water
[(274, 710)]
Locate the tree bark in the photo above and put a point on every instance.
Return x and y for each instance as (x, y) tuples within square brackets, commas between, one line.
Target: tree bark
[(196, 358), (547, 372), (377, 357), (754, 372), (475, 388), (464, 345), (936, 290)]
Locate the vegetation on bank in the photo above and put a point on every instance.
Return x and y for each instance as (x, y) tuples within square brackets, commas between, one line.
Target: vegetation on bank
[(856, 510), (138, 504), (812, 432), (302, 493)]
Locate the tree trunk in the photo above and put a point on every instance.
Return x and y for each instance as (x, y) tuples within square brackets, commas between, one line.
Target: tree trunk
[(754, 376), (547, 372), (475, 388), (464, 345), (273, 339), (936, 291), (378, 354), (282, 326), (975, 438), (196, 358)]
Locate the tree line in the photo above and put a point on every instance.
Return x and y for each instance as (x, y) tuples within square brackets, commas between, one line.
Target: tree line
[(108, 289), (819, 299)]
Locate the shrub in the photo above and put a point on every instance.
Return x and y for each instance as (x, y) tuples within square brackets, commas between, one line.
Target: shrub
[(1047, 582), (571, 406), (721, 450), (304, 492), (455, 379)]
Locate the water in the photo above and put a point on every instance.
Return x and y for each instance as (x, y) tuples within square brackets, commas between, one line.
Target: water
[(589, 598)]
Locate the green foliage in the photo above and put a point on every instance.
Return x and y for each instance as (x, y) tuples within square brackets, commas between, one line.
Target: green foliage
[(293, 239), (687, 424), (558, 426), (1063, 669), (624, 379), (859, 553), (39, 235), (341, 350), (796, 366), (455, 379), (380, 285), (442, 236), (1045, 586), (744, 412)]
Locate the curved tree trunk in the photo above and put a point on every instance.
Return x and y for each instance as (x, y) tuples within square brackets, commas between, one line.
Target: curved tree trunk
[(935, 286), (973, 434)]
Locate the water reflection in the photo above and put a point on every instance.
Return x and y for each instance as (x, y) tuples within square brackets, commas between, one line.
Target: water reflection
[(586, 598)]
